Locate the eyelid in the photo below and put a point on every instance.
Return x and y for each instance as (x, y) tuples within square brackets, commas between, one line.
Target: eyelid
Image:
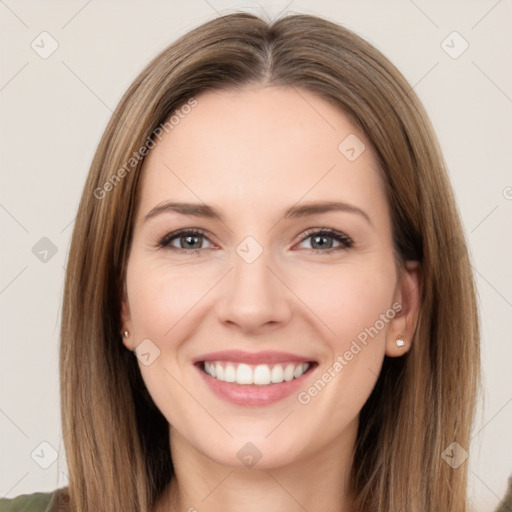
[(165, 241), (340, 236)]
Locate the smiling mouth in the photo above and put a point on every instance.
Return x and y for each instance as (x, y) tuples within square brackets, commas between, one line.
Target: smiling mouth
[(258, 374)]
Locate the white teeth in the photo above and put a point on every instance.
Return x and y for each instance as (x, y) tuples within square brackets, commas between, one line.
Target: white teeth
[(219, 371), (298, 372), (229, 373), (288, 373), (244, 374), (261, 375), (277, 374)]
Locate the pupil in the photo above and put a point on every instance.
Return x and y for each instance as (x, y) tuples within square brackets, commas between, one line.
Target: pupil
[(318, 238), (189, 238)]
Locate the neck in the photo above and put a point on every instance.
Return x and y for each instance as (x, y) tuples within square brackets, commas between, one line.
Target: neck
[(316, 483)]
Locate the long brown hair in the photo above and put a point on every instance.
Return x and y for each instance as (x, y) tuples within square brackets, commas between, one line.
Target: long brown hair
[(116, 440)]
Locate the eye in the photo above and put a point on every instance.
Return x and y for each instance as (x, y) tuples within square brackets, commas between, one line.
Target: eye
[(320, 240), (189, 241)]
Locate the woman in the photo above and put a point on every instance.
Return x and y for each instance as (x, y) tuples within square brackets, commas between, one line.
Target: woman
[(318, 345)]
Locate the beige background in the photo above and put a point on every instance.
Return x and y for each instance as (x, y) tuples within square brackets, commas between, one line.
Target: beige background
[(54, 110)]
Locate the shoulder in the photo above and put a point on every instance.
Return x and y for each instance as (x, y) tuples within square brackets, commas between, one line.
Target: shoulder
[(36, 502)]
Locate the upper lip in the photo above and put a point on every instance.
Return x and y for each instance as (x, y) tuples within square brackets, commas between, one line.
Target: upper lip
[(264, 357)]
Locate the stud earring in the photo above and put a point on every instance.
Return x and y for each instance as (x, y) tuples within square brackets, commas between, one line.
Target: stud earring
[(400, 341), (126, 334)]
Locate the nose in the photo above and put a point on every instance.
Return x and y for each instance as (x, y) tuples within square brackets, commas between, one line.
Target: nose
[(254, 294)]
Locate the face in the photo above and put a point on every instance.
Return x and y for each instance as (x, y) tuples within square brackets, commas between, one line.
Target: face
[(307, 296)]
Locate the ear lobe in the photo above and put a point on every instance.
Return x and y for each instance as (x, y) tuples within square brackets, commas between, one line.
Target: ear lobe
[(403, 326)]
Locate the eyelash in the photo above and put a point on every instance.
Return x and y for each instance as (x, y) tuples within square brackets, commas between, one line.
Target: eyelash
[(345, 240)]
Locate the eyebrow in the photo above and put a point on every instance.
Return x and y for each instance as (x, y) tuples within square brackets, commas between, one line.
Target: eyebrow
[(296, 211)]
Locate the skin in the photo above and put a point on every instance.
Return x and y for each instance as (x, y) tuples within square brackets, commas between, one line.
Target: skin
[(251, 154)]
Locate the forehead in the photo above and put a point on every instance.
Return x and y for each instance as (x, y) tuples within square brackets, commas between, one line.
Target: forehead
[(258, 147)]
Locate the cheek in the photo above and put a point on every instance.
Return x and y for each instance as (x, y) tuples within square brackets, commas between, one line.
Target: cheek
[(348, 299), (161, 300), (160, 297), (355, 309)]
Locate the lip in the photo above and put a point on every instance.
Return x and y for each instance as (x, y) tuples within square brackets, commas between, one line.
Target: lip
[(252, 395), (264, 357)]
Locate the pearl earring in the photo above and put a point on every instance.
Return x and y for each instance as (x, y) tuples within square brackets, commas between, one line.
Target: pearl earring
[(126, 334), (400, 341)]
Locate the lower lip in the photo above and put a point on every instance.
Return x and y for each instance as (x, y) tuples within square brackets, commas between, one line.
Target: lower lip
[(252, 395)]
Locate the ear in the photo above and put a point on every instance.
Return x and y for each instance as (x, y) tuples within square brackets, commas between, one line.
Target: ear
[(403, 325), (126, 319)]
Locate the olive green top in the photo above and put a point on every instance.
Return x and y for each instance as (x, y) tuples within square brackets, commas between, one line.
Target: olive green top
[(48, 501), (506, 503), (35, 502)]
